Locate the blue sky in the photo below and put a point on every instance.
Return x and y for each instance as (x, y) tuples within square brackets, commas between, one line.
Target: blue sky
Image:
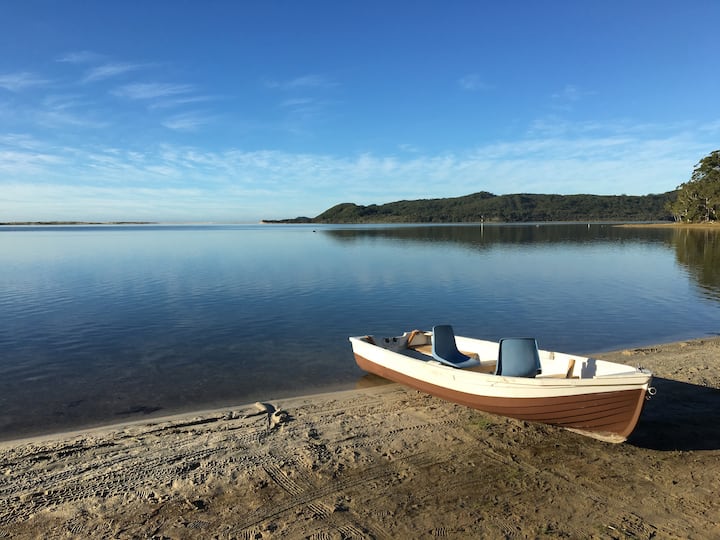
[(233, 111)]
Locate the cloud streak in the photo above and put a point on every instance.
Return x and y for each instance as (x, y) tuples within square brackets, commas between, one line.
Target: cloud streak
[(473, 83), (108, 71), (309, 81), (80, 57), (16, 82), (187, 121), (149, 91)]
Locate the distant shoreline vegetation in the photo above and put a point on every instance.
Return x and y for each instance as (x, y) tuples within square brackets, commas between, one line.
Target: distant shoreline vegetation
[(15, 223), (484, 207)]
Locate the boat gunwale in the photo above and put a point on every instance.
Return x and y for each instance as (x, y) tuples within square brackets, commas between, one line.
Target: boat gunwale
[(634, 377)]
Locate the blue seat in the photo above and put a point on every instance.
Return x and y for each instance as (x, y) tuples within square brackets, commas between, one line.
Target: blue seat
[(444, 348), (518, 357)]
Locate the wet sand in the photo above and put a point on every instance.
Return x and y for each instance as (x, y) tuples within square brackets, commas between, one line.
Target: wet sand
[(381, 461)]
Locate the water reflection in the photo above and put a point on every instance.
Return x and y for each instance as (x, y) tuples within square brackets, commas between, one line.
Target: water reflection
[(480, 236), (698, 251)]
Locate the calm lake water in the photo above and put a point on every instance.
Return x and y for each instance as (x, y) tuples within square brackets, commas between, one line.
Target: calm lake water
[(103, 324)]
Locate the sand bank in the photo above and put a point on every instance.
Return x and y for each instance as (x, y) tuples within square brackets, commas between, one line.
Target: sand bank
[(381, 462), (711, 225)]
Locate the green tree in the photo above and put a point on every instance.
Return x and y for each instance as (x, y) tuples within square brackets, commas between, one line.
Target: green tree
[(698, 199)]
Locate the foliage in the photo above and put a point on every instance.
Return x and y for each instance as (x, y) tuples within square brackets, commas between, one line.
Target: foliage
[(698, 199), (523, 207)]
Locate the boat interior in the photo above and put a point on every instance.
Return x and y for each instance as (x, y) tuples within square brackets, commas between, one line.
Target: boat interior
[(511, 357)]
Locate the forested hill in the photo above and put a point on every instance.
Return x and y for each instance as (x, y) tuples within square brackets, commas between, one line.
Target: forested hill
[(487, 207)]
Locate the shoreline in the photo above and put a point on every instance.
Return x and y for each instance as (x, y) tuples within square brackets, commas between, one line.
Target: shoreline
[(210, 412), (380, 462), (714, 225), (100, 425)]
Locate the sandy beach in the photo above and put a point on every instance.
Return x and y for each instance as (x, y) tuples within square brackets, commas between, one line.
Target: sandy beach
[(381, 461)]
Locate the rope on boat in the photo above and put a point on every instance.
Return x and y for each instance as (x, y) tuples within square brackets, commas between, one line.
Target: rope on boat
[(412, 336)]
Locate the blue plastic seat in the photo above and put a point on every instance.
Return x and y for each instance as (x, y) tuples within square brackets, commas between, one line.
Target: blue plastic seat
[(518, 357), (444, 348)]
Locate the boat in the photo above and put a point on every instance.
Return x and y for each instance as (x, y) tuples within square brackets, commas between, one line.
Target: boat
[(513, 378)]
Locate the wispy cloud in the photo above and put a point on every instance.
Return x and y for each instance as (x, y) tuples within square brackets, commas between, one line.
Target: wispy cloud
[(304, 108), (179, 101), (297, 102), (305, 81), (409, 148), (22, 164), (311, 81), (568, 96), (473, 82), (713, 126), (147, 91), (107, 71), (80, 57), (16, 82), (63, 101), (20, 141), (187, 122), (553, 125), (569, 93), (65, 110), (59, 118)]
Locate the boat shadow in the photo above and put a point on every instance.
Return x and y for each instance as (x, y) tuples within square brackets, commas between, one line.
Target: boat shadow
[(681, 416)]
